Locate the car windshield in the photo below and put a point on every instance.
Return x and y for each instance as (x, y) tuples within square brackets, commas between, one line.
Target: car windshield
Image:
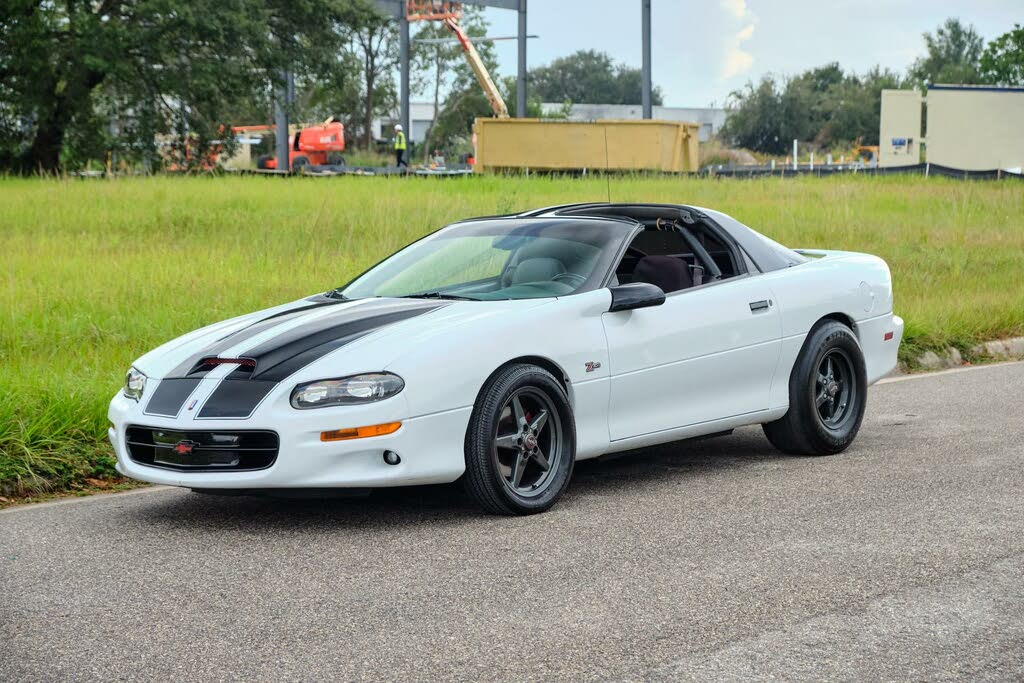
[(508, 258)]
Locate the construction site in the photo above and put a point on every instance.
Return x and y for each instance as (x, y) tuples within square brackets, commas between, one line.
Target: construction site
[(972, 131), (500, 142)]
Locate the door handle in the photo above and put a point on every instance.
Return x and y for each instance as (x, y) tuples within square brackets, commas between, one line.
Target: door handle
[(762, 305)]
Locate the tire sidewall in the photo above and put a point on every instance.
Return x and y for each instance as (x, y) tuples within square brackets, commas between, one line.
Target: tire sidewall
[(823, 339), (480, 447)]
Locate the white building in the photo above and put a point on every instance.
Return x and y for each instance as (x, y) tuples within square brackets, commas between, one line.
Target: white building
[(710, 120)]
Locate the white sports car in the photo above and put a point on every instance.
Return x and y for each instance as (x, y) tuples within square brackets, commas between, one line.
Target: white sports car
[(502, 350)]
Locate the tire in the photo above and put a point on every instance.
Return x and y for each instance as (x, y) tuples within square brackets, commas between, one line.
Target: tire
[(298, 163), (521, 422), (261, 161), (335, 159), (827, 394)]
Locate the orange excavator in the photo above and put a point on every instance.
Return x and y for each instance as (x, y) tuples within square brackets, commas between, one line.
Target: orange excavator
[(311, 146)]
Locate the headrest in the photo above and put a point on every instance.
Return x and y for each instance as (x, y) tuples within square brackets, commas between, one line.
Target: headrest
[(540, 269), (667, 272)]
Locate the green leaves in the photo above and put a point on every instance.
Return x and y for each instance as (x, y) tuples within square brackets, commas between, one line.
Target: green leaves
[(952, 55), (589, 76), (1002, 62), (829, 106), (74, 72)]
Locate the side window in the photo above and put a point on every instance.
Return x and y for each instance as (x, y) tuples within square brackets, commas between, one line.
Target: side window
[(664, 257), (720, 254)]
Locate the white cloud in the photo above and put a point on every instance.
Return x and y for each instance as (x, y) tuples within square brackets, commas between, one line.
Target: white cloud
[(737, 60), (737, 8)]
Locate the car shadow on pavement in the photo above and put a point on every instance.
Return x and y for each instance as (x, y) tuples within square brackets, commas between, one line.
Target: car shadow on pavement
[(629, 473)]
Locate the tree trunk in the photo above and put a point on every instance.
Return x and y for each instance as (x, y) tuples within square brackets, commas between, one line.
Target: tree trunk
[(370, 82), (43, 155), (428, 138)]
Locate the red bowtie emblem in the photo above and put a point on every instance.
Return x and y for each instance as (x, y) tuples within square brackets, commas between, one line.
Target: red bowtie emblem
[(185, 447)]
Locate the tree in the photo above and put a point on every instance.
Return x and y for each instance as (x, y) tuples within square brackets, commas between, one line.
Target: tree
[(853, 107), (435, 49), (466, 101), (757, 121), (1002, 62), (375, 37), (826, 106), (954, 51), (165, 67), (592, 77)]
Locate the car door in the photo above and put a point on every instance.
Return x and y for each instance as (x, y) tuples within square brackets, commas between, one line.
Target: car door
[(707, 353)]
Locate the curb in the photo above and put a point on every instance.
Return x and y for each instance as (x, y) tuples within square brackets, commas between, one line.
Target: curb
[(998, 350)]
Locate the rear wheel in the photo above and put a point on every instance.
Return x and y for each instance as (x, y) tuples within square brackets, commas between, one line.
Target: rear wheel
[(298, 163), (521, 442), (335, 159), (261, 161), (827, 394)]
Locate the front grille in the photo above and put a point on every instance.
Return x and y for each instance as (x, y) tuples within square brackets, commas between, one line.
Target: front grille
[(209, 451)]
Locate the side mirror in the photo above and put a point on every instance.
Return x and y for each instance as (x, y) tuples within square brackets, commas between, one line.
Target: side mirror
[(635, 295)]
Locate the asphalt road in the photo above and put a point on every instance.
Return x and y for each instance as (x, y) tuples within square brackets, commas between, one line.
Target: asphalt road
[(902, 559)]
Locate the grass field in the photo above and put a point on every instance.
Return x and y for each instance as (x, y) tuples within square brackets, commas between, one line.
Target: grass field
[(97, 272)]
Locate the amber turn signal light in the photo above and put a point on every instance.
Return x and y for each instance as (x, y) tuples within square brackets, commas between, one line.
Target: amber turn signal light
[(360, 432)]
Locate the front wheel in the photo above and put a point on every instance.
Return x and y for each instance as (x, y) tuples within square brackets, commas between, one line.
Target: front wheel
[(827, 394), (521, 442)]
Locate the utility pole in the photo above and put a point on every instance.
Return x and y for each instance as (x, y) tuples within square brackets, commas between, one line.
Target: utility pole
[(283, 91), (521, 75), (403, 88), (646, 70)]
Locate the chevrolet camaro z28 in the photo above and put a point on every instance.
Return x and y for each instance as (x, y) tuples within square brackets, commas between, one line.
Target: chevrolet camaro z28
[(502, 350)]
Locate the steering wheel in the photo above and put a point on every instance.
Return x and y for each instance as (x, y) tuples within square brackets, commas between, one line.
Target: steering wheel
[(574, 279)]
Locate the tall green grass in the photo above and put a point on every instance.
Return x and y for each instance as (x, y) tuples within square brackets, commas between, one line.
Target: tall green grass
[(97, 272)]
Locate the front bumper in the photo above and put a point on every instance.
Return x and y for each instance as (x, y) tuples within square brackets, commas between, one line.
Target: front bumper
[(431, 449)]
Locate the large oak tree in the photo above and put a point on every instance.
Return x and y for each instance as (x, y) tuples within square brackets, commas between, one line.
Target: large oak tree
[(69, 67)]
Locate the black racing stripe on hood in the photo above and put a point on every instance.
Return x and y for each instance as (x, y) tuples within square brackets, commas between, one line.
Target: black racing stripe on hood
[(243, 389), (281, 356), (191, 367), (170, 395), (236, 398)]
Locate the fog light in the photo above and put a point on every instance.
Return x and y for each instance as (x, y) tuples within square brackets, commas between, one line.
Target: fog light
[(391, 458)]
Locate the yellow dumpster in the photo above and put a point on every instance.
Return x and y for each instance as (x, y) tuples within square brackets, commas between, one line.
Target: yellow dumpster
[(605, 144)]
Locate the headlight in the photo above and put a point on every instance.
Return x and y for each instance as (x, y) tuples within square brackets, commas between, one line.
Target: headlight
[(374, 386), (134, 384)]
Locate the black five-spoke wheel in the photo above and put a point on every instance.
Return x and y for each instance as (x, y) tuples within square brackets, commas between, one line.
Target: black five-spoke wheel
[(521, 441), (827, 391), (528, 444), (836, 388)]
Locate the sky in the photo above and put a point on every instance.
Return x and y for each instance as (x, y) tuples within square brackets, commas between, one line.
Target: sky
[(704, 49)]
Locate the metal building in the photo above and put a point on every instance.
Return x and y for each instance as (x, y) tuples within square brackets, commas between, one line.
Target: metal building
[(968, 127), (899, 137), (976, 128)]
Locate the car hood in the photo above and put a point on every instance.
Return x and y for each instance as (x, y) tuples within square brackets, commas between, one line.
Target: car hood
[(278, 342), (250, 356)]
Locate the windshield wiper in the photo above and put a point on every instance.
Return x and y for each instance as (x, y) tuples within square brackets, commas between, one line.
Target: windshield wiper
[(438, 295)]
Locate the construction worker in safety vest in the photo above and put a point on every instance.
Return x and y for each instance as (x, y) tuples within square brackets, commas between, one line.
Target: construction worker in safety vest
[(400, 147)]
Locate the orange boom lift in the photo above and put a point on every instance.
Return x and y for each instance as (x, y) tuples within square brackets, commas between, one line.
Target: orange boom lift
[(449, 14), (312, 146)]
